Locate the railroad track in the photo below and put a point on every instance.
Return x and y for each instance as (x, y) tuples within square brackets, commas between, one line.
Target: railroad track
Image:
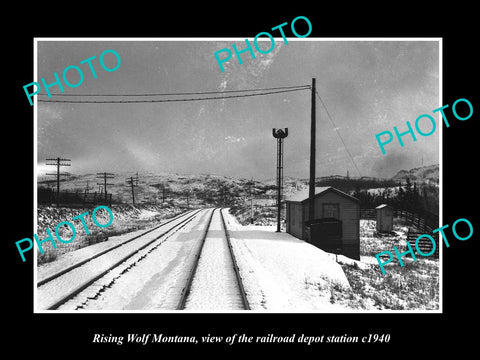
[(214, 281), (59, 288)]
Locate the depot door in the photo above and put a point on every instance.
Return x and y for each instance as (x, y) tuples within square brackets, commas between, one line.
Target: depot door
[(326, 234)]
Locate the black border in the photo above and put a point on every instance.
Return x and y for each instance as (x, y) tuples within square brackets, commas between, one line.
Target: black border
[(61, 335)]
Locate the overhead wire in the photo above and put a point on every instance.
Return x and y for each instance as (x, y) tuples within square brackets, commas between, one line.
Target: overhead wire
[(165, 100), (187, 93), (338, 133), (258, 92)]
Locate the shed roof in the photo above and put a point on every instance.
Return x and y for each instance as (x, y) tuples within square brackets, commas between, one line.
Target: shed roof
[(303, 195), (383, 206)]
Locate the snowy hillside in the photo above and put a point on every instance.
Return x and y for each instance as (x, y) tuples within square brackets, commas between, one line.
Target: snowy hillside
[(421, 174), (126, 219), (154, 189)]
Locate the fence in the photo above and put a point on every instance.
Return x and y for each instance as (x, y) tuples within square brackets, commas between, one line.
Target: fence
[(424, 244), (424, 221), (80, 198), (368, 214)]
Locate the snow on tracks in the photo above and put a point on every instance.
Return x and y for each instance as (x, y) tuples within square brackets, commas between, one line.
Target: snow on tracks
[(156, 282), (279, 273), (55, 292), (215, 285)]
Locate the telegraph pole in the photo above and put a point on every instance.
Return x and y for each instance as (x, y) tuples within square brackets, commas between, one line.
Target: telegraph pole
[(251, 202), (133, 182), (250, 184), (279, 134), (105, 176), (58, 162), (311, 190)]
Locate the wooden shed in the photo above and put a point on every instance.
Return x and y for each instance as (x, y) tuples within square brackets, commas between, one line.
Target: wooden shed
[(330, 204), (384, 218)]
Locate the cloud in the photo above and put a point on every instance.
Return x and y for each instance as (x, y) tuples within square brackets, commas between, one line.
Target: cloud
[(233, 139), (48, 113), (223, 84), (389, 164), (252, 71), (266, 60)]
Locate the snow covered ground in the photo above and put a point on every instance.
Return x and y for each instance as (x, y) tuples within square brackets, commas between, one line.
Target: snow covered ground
[(282, 273), (214, 285), (413, 287), (279, 264), (153, 280), (52, 291)]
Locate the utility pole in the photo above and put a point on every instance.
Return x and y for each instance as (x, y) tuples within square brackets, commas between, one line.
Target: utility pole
[(58, 162), (221, 193), (87, 187), (133, 182), (251, 202), (86, 192), (105, 176), (250, 184), (311, 190), (279, 134)]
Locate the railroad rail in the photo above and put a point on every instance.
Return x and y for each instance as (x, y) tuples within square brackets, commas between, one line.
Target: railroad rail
[(187, 291), (80, 263), (236, 269), (62, 276)]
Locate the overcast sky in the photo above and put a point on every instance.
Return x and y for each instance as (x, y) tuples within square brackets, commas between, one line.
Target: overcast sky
[(367, 87)]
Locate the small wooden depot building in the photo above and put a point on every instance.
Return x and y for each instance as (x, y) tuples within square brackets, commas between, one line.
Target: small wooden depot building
[(336, 224)]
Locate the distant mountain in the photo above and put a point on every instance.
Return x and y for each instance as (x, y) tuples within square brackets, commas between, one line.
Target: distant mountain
[(421, 174)]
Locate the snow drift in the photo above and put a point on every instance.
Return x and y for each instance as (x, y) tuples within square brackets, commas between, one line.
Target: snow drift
[(283, 273)]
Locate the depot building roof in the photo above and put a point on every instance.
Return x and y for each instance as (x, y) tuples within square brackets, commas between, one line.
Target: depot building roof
[(303, 195)]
